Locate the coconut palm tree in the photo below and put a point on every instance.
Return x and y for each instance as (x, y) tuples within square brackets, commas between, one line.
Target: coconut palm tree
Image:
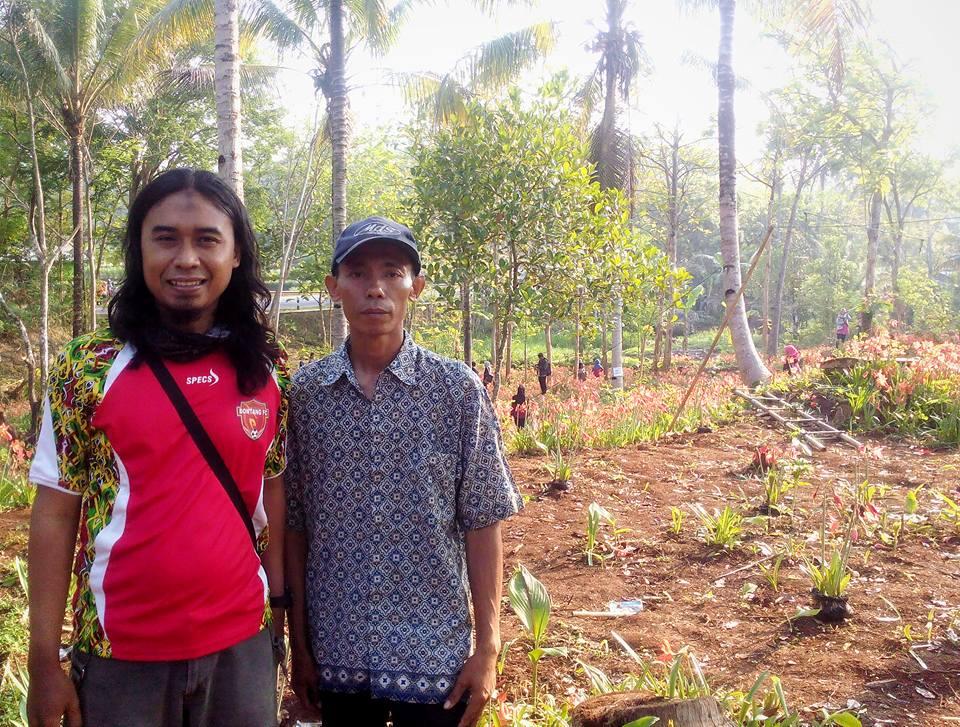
[(621, 61), (324, 29), (226, 41), (86, 55), (815, 18)]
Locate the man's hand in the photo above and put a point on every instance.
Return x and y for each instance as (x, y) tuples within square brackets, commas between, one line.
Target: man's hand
[(479, 678), (303, 678), (50, 697)]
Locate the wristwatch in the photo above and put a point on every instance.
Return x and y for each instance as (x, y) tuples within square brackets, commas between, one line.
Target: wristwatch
[(284, 601)]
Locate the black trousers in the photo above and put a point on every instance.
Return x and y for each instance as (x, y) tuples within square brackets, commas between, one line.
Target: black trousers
[(361, 710), (543, 384)]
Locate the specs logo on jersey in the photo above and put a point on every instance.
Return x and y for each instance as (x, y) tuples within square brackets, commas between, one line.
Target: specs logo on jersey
[(210, 378), (253, 417)]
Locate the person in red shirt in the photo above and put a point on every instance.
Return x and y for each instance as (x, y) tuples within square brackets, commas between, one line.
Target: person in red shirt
[(174, 569)]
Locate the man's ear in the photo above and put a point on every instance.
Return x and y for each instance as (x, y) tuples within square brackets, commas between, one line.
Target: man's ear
[(419, 282), (332, 289)]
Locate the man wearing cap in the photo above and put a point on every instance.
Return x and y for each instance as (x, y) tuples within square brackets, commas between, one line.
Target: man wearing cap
[(397, 483)]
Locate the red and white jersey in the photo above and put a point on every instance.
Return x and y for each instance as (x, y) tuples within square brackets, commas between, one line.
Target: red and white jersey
[(165, 569)]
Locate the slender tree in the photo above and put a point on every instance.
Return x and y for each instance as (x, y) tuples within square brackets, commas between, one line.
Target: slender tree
[(226, 33)]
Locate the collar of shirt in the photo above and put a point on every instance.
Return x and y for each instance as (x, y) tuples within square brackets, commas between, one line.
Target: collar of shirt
[(403, 365)]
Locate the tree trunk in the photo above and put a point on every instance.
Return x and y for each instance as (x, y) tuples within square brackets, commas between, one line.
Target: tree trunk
[(616, 373), (576, 336), (226, 82), (91, 258), (928, 251), (337, 105), (898, 309), (465, 323), (508, 353), (603, 343), (619, 708), (752, 370), (548, 341), (643, 347), (672, 225), (495, 349), (776, 310), (870, 272), (29, 361), (75, 130)]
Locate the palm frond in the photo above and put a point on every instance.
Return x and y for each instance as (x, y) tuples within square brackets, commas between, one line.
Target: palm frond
[(287, 31), (488, 6), (695, 60), (43, 47), (371, 21), (144, 40), (441, 98), (90, 19), (496, 63), (833, 20), (613, 168), (590, 95), (199, 78)]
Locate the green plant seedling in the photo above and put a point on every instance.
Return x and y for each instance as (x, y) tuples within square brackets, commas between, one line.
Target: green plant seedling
[(531, 603), (595, 515), (722, 528), (830, 579), (643, 722), (676, 520), (772, 573)]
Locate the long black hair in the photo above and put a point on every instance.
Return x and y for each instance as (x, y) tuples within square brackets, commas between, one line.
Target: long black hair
[(241, 310)]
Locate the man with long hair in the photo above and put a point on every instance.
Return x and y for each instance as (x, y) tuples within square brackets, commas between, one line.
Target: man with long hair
[(163, 438)]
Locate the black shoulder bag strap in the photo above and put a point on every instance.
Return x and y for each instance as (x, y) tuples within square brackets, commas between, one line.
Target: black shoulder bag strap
[(200, 437)]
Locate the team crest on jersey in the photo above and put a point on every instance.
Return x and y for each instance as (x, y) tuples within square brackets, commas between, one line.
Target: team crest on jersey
[(253, 416)]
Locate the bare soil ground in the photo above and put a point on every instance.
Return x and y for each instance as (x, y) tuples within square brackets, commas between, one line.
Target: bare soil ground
[(693, 595)]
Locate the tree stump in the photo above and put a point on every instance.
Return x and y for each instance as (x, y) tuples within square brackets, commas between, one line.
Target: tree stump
[(619, 708)]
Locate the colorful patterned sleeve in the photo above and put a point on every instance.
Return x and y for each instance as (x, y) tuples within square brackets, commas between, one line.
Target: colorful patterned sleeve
[(276, 461), (60, 460), (486, 493)]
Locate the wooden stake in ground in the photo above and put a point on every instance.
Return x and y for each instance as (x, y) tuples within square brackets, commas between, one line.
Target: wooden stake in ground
[(723, 324)]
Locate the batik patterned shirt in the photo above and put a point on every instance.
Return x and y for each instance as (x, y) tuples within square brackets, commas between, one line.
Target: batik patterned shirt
[(385, 491), (165, 569)]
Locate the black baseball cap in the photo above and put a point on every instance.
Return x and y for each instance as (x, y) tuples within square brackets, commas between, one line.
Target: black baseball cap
[(375, 228)]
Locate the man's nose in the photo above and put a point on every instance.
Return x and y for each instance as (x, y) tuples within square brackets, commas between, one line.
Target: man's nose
[(187, 255), (375, 289)]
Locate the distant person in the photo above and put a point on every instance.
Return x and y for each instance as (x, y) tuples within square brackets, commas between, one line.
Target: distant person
[(518, 407), (544, 371), (843, 326), (597, 368), (581, 371), (487, 374), (473, 367), (791, 359)]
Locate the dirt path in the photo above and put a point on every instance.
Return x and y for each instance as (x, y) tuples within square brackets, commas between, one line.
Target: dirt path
[(689, 601)]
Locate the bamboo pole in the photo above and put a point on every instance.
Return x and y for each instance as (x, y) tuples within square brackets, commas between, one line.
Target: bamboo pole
[(723, 324)]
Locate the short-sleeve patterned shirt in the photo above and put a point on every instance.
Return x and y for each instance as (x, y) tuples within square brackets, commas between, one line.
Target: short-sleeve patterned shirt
[(385, 491)]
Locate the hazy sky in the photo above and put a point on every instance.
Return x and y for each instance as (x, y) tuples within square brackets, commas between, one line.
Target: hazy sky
[(925, 33)]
